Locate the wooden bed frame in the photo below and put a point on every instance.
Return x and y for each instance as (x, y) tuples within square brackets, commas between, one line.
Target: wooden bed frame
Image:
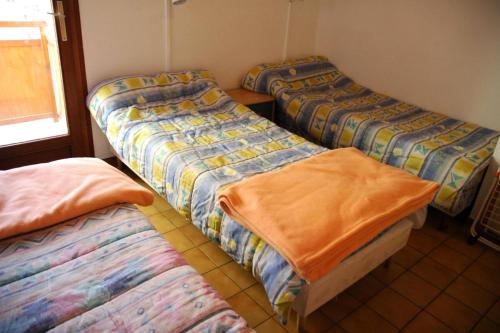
[(314, 295)]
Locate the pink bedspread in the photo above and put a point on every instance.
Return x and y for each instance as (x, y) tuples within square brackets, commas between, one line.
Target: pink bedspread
[(41, 195)]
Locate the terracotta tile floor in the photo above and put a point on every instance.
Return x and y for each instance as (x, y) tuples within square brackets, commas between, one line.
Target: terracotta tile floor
[(437, 283)]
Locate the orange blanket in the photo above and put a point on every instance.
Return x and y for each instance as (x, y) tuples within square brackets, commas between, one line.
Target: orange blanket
[(41, 195), (317, 211)]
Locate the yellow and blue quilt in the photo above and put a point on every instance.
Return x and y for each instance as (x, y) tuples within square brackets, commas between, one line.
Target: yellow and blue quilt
[(189, 140), (320, 103)]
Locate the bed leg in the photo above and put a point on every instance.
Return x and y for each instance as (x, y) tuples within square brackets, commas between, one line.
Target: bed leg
[(295, 322), (387, 263), (301, 324)]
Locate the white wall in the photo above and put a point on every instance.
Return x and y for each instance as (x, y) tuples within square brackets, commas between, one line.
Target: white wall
[(121, 37), (442, 55)]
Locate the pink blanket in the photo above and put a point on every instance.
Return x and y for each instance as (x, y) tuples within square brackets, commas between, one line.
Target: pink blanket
[(41, 195)]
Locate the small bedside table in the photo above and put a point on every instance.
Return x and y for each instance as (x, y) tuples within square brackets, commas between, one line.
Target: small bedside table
[(263, 105)]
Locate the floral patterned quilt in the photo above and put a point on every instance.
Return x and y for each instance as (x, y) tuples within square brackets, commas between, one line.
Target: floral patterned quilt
[(109, 270)]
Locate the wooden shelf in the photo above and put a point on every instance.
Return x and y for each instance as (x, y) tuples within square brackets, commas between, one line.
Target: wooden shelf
[(262, 104), (247, 97)]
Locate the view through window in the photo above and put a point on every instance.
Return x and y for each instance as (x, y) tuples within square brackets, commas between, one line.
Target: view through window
[(32, 104)]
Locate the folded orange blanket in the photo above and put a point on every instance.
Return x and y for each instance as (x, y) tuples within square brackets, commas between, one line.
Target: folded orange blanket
[(41, 195), (317, 211)]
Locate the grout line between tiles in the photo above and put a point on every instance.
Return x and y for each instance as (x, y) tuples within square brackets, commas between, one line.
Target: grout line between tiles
[(441, 291)]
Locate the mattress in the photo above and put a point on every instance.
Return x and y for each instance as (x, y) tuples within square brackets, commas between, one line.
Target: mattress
[(107, 270), (322, 104)]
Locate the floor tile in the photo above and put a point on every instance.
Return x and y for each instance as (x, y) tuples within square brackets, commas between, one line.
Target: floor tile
[(238, 274), (393, 307), (486, 326), (365, 320), (426, 323), (224, 285), (215, 254), (494, 313), (161, 204), (458, 228), (180, 242), (453, 313), (387, 274), (317, 322), (258, 294), (148, 210), (340, 307), (407, 257), (248, 309), (161, 223), (336, 329), (434, 273), (432, 230), (198, 260), (178, 220), (365, 288), (471, 294), (450, 258), (484, 276), (490, 258), (170, 214), (461, 245), (194, 234), (415, 289), (422, 242), (270, 326)]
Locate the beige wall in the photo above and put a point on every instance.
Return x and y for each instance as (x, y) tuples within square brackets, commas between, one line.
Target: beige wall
[(227, 36), (442, 55), (121, 37), (303, 28)]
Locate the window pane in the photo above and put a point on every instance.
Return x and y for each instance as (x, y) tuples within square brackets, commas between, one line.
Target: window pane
[(32, 102)]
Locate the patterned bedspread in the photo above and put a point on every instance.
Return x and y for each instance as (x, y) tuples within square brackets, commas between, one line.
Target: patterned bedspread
[(105, 271), (189, 140), (319, 102)]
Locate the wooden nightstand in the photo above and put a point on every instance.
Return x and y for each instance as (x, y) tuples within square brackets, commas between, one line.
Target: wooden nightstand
[(263, 105)]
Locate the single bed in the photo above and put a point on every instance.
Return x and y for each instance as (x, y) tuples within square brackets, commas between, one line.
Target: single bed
[(107, 270), (189, 140), (322, 104)]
